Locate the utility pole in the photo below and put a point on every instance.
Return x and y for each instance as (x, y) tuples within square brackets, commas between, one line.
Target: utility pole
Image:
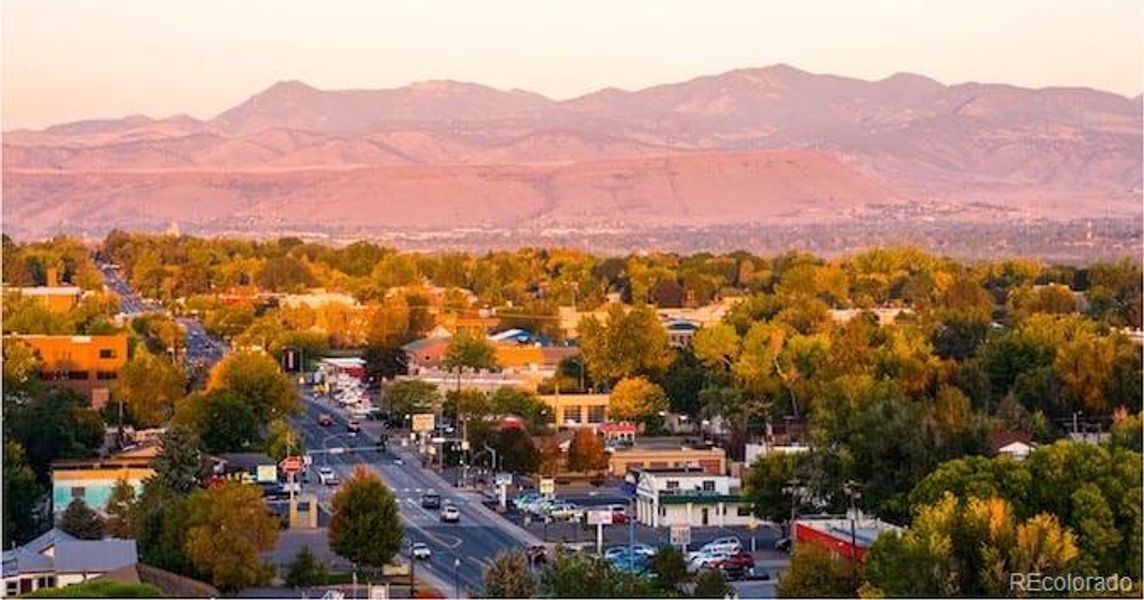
[(851, 488)]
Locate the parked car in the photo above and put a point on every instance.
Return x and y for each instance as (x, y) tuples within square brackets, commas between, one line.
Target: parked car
[(619, 514), (564, 511), (737, 564), (540, 507), (325, 420), (782, 544), (706, 559), (421, 551), (729, 544), (450, 514), (519, 501), (327, 476), (431, 500)]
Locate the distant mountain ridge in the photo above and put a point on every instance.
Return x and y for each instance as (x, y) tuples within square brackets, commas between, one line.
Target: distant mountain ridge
[(1053, 152)]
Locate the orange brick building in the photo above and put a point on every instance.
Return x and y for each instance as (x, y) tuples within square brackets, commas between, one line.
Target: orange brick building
[(87, 364)]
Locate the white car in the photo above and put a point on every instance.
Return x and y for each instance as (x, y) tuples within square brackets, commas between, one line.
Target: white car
[(421, 551), (450, 514), (564, 511), (327, 476), (706, 559), (729, 545)]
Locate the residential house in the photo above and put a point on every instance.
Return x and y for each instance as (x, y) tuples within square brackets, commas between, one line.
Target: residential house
[(56, 559), (666, 497), (93, 479), (87, 364)]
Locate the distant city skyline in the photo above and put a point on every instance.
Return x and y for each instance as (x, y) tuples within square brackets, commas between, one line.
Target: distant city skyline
[(68, 60)]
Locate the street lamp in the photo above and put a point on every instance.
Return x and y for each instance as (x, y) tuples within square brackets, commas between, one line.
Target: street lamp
[(456, 578), (851, 488)]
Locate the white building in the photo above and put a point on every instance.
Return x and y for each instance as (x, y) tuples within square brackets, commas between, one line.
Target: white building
[(666, 497), (56, 559)]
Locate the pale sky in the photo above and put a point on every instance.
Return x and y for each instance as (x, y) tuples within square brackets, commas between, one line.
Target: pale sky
[(66, 60)]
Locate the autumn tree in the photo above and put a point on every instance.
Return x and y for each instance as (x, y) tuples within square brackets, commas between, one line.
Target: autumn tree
[(815, 572), (627, 343), (509, 577), (636, 399), (586, 453), (366, 528), (410, 397), (227, 530), (255, 380), (150, 387)]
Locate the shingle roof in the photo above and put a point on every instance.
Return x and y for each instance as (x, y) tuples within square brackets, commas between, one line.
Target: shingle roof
[(95, 556)]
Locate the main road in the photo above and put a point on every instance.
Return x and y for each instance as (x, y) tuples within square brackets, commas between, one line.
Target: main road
[(462, 551)]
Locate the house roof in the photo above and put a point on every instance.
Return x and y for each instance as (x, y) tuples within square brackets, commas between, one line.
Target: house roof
[(95, 556), (21, 560), (48, 539), (999, 440), (423, 343), (245, 460)]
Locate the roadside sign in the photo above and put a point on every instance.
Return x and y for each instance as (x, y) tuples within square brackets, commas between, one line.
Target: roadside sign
[(266, 473), (438, 440), (292, 464), (504, 479), (680, 535), (424, 422), (599, 517), (548, 486)]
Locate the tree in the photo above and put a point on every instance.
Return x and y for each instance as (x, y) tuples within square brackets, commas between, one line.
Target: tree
[(629, 342), (366, 528), (21, 494), (304, 570), (81, 521), (509, 577), (119, 508), (583, 576), (150, 387), (670, 567), (159, 524), (586, 453), (284, 274), (53, 423), (815, 572), (717, 345), (99, 588), (222, 419), (283, 440), (410, 397), (710, 583), (255, 379), (20, 363), (467, 351), (516, 452), (227, 529), (524, 404), (181, 462), (768, 485), (636, 399)]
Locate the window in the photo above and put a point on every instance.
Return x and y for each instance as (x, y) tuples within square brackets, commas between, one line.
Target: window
[(78, 492), (596, 414), (107, 353), (12, 588), (106, 375), (77, 375), (662, 511), (672, 484), (743, 511), (708, 486), (574, 414)]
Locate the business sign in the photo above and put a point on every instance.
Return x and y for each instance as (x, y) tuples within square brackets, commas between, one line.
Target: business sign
[(599, 517), (291, 464), (423, 422), (266, 473), (504, 479), (680, 535), (547, 486)]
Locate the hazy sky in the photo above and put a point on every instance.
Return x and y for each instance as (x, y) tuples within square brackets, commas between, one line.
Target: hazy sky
[(73, 59)]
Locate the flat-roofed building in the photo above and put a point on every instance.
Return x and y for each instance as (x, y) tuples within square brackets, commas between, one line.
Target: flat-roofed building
[(578, 410), (92, 480), (666, 497), (712, 460), (59, 299), (88, 364)]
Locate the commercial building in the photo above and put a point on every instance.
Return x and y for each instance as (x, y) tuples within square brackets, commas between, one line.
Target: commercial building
[(353, 367), (92, 480), (58, 299), (842, 535), (87, 364), (666, 497), (680, 332), (578, 410), (427, 352), (57, 559), (710, 461)]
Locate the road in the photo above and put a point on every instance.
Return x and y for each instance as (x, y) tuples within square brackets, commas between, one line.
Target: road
[(472, 542), (130, 302), (202, 350)]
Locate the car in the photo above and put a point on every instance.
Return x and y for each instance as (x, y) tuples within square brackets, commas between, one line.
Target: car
[(325, 420), (737, 564), (706, 559), (431, 500), (541, 506), (729, 545), (450, 514), (619, 514), (327, 476), (399, 462), (273, 490), (353, 427), (564, 511), (782, 545), (519, 502), (420, 551)]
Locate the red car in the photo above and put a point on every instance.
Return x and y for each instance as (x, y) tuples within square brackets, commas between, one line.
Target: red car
[(619, 514), (737, 563)]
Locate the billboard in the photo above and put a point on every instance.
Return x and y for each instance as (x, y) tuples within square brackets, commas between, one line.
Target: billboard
[(599, 517), (423, 422)]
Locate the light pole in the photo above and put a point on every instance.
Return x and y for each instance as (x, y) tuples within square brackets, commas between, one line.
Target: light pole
[(851, 488), (456, 578)]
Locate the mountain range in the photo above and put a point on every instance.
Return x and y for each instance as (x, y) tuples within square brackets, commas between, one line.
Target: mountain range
[(763, 145)]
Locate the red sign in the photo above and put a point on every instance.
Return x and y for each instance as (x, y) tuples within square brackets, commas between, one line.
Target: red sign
[(291, 464)]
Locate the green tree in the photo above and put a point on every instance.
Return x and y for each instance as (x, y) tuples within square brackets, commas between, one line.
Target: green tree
[(366, 528), (222, 419), (304, 570), (471, 352), (637, 399), (629, 342), (255, 379), (159, 522), (21, 493), (410, 397), (20, 363), (227, 530), (509, 577), (150, 387), (710, 583), (283, 440), (515, 451), (100, 588), (81, 521), (670, 567), (181, 463), (771, 482), (816, 573), (120, 506), (585, 452), (52, 423)]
